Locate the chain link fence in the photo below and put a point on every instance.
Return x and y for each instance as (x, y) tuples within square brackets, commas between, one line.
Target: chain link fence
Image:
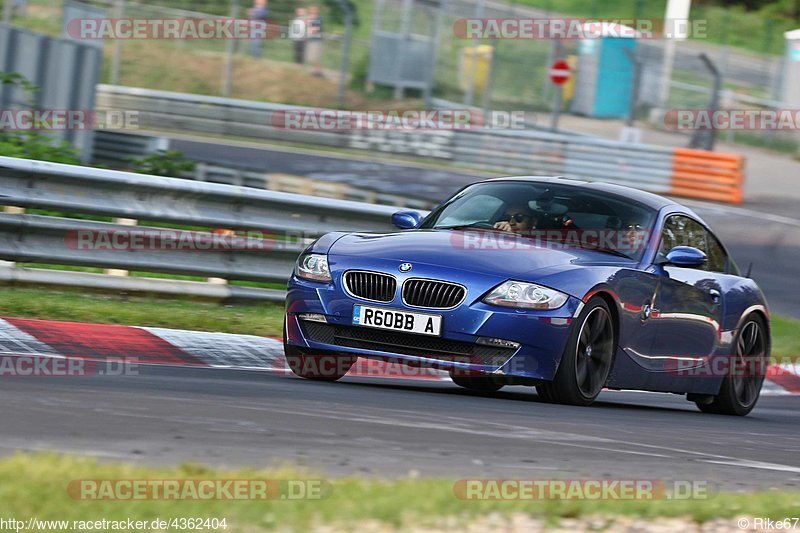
[(519, 69), (516, 77)]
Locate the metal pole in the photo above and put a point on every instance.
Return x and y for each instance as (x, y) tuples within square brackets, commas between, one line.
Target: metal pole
[(704, 139), (470, 96), (437, 12), (405, 23), (556, 108), (637, 76), (666, 72), (8, 6), (348, 37), (677, 10), (487, 91), (559, 89), (230, 49), (116, 57)]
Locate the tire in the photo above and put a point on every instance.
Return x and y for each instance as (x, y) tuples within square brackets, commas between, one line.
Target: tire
[(587, 359), (478, 383), (327, 366), (741, 388)]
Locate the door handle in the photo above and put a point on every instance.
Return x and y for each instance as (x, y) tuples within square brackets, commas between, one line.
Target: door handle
[(715, 295)]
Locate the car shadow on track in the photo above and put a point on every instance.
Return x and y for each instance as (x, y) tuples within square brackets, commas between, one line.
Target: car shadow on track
[(525, 394)]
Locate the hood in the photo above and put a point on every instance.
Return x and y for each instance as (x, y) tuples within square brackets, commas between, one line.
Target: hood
[(487, 252)]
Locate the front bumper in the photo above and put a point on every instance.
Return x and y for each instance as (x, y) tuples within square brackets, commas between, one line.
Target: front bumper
[(541, 334)]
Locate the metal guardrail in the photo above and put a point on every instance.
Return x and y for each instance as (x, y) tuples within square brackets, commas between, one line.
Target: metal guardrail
[(74, 190), (43, 239), (642, 166), (275, 181), (117, 149), (647, 167)]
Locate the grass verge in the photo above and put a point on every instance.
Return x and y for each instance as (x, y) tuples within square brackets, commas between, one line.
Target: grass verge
[(36, 486), (785, 338), (56, 304), (262, 319)]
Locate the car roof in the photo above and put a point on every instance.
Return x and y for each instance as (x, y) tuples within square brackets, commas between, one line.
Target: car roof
[(649, 199)]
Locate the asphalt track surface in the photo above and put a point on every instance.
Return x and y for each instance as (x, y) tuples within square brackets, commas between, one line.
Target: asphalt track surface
[(767, 235), (393, 428)]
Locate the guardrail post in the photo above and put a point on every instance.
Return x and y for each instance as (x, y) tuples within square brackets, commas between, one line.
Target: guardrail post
[(12, 210), (227, 233), (118, 271)]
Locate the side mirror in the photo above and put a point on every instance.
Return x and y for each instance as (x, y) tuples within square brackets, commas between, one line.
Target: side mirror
[(406, 219), (687, 257)]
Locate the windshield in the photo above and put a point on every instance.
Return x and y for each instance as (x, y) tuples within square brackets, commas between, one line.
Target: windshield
[(551, 214)]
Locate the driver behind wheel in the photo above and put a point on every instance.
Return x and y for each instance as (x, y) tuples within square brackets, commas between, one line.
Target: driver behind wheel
[(516, 219)]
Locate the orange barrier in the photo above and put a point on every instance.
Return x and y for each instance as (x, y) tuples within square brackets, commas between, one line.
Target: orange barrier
[(707, 175)]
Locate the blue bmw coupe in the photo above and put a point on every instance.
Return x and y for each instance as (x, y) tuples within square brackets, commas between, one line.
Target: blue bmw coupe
[(565, 285)]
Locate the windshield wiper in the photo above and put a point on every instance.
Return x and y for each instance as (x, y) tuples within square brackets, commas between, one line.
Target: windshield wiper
[(480, 225), (604, 250)]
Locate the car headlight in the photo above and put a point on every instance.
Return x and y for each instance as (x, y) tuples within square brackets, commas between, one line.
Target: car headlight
[(313, 266), (525, 296)]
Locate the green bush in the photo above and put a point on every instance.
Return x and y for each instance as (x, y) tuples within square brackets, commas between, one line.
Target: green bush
[(32, 144), (170, 163)]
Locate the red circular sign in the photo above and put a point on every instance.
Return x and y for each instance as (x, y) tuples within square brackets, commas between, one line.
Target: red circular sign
[(559, 72)]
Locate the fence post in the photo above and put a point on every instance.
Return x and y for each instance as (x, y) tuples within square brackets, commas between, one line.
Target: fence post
[(116, 58), (702, 138), (8, 5), (348, 37), (468, 98), (230, 48)]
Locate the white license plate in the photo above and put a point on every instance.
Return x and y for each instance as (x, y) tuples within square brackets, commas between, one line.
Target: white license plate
[(396, 320)]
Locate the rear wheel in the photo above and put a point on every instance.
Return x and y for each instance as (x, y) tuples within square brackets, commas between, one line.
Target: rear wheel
[(586, 362), (478, 383), (740, 389)]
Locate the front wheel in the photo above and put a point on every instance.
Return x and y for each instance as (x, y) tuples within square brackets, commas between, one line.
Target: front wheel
[(318, 367), (741, 388), (586, 362)]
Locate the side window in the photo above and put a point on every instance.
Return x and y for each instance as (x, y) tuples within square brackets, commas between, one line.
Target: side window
[(683, 231), (475, 208), (717, 258)]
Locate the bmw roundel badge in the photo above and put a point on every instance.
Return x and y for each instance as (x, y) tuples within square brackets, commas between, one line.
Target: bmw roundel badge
[(405, 267)]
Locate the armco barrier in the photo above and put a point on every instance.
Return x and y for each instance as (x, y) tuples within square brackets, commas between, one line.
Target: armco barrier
[(707, 175), (75, 190), (690, 173)]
